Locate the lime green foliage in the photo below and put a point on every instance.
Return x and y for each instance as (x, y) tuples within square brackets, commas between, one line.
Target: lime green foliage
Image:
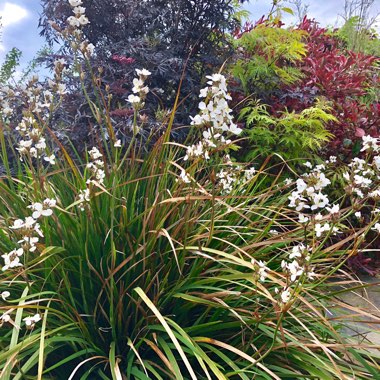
[(292, 135), (240, 13), (266, 55), (9, 66), (358, 38)]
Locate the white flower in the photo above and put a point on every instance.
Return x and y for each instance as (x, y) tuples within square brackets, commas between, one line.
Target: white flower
[(285, 295), (5, 318), (6, 110), (31, 321), (370, 143), (298, 250), (79, 10), (319, 229), (12, 259), (31, 241), (249, 173), (322, 181), (302, 218), (29, 222), (134, 99), (83, 20), (94, 153), (215, 78), (261, 269), (376, 227), (333, 210), (50, 202), (375, 194), (61, 88), (143, 72), (295, 270), (84, 195), (73, 21), (50, 159), (362, 181), (301, 185), (75, 3), (117, 144), (203, 92), (320, 201), (4, 295), (38, 230), (235, 129), (17, 224), (358, 214), (184, 177), (346, 176), (43, 209), (40, 211), (359, 193)]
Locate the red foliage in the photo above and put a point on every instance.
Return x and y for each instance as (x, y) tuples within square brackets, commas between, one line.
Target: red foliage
[(123, 60), (342, 77)]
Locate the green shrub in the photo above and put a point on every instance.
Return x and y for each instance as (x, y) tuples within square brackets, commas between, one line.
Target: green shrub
[(265, 58), (291, 135)]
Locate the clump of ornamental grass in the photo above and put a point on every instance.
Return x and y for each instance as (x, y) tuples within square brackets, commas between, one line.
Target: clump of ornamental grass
[(175, 264)]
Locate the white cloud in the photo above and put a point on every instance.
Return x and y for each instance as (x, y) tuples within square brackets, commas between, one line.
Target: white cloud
[(11, 14)]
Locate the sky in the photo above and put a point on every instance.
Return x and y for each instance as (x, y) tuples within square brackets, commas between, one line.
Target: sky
[(20, 19)]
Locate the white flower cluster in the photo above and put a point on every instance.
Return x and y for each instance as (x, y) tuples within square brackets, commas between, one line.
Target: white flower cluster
[(5, 318), (215, 114), (37, 104), (140, 90), (32, 142), (260, 269), (29, 321), (28, 228), (84, 197), (214, 111), (228, 177), (211, 139), (79, 19), (30, 94), (297, 266), (96, 168), (33, 97), (363, 178), (308, 197)]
